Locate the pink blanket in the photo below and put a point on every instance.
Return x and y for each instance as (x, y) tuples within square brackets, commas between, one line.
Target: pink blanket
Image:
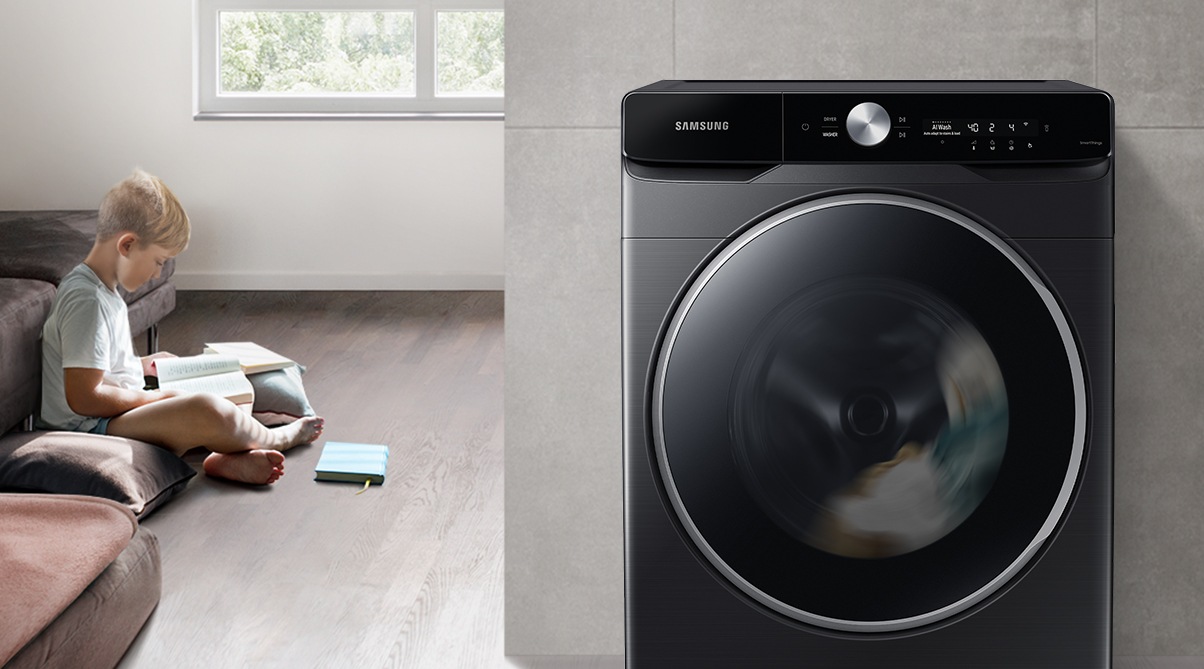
[(51, 548)]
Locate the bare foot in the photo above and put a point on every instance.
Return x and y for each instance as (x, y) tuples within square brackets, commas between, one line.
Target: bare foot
[(258, 466), (301, 431)]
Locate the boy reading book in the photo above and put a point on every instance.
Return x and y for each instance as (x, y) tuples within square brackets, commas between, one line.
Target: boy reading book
[(91, 378)]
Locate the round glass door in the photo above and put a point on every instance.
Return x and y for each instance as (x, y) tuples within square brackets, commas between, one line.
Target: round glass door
[(869, 413)]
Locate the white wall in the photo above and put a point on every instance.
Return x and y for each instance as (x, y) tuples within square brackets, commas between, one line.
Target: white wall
[(89, 90)]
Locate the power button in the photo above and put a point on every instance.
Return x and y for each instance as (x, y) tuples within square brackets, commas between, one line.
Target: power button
[(868, 124)]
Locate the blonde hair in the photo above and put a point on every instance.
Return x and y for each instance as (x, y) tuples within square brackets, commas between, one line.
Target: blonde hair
[(145, 206)]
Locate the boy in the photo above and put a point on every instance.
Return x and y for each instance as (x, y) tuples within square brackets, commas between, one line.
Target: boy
[(91, 378)]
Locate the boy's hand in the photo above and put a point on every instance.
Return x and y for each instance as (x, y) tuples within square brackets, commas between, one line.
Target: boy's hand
[(148, 362)]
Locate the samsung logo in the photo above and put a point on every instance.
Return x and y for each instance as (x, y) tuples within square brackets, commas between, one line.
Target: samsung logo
[(700, 125)]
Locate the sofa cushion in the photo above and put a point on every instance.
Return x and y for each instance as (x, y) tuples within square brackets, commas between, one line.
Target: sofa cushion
[(99, 626), (51, 548), (45, 245), (24, 305), (82, 221), (133, 473), (40, 247)]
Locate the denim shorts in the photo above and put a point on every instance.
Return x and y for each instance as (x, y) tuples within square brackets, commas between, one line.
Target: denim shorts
[(102, 427)]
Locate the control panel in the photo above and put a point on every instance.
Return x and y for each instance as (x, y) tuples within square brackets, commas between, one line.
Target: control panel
[(1029, 127), (880, 126)]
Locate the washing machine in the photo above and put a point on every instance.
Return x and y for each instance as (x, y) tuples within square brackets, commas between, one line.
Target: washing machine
[(867, 374)]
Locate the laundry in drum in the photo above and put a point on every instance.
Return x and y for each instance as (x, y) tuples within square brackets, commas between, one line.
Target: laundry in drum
[(870, 418), (928, 488)]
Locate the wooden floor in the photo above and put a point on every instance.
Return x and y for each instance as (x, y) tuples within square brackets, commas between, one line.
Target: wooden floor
[(308, 574)]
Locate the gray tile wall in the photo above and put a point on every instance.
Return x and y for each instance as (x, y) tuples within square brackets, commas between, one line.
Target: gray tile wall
[(569, 64)]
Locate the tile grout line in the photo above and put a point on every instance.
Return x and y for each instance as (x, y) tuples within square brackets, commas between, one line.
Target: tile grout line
[(673, 41)]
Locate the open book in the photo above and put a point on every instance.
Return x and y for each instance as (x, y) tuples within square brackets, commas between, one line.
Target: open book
[(217, 374), (251, 356)]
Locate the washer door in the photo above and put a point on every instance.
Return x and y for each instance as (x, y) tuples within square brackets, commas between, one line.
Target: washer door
[(869, 413)]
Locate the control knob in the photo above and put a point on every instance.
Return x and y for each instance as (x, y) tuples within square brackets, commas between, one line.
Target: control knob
[(868, 124)]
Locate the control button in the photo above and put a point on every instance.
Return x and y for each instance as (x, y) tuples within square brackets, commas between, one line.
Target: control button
[(868, 124)]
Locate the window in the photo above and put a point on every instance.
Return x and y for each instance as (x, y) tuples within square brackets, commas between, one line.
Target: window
[(383, 58)]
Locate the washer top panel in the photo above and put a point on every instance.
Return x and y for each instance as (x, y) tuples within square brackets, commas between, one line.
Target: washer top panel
[(851, 86), (915, 122)]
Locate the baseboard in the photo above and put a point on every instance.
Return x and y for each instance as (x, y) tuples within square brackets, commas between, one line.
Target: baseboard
[(316, 281)]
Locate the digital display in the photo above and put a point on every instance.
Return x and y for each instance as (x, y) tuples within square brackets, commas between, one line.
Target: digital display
[(976, 127)]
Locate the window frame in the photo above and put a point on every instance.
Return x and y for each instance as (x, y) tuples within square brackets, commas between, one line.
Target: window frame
[(208, 104)]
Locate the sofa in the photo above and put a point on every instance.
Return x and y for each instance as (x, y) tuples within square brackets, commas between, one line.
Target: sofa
[(67, 496)]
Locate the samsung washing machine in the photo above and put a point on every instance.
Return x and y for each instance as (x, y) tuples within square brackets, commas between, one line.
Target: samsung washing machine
[(867, 374)]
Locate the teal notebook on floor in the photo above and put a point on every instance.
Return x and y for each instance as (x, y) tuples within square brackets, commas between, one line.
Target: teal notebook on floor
[(355, 463)]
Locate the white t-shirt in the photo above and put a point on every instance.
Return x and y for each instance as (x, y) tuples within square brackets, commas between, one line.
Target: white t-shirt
[(88, 327)]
